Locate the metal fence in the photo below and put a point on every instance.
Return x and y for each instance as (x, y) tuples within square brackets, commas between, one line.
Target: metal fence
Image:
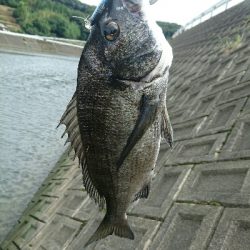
[(214, 10)]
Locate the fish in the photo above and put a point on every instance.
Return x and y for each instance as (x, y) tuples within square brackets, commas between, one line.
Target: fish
[(117, 116)]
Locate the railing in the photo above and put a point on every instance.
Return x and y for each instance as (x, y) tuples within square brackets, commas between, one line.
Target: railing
[(214, 10)]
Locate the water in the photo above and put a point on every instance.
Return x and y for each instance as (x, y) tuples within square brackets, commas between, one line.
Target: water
[(34, 92)]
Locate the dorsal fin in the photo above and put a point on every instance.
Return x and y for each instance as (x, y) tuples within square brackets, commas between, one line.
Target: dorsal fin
[(70, 120)]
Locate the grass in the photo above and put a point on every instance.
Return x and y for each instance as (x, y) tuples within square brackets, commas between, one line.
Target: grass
[(230, 43)]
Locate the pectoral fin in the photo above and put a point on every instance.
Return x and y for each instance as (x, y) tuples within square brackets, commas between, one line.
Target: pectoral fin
[(146, 118), (167, 131)]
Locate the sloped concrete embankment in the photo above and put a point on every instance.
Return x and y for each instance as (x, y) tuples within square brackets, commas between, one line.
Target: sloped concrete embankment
[(200, 197), (20, 43)]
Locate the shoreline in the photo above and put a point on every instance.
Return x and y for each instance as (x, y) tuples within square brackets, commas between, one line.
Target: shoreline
[(11, 42)]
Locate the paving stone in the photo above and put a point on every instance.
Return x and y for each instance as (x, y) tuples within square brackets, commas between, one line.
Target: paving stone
[(243, 50), (201, 77), (191, 96), (173, 82), (240, 65), (87, 210), (238, 143), (213, 64), (178, 116), (192, 71), (204, 105), (187, 130), (240, 91), (165, 187), (24, 232), (246, 109), (71, 202), (196, 150), (210, 80), (11, 246), (76, 183), (57, 235), (222, 118), (233, 232), (44, 208), (53, 185), (226, 182), (246, 76), (54, 188), (164, 150), (225, 83), (63, 167), (144, 230), (178, 96), (62, 173), (187, 227)]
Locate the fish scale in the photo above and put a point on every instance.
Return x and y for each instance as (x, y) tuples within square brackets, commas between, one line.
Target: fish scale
[(118, 115)]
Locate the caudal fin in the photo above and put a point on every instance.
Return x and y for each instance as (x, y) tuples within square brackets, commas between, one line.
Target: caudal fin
[(107, 227)]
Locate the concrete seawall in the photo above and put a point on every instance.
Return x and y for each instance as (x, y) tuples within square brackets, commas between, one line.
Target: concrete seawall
[(21, 43)]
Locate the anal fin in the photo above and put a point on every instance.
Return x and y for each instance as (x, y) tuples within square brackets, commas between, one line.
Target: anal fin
[(143, 194)]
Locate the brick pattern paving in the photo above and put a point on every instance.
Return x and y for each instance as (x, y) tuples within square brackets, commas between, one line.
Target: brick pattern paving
[(200, 196)]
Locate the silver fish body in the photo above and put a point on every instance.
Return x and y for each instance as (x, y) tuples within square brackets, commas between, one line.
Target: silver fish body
[(118, 114)]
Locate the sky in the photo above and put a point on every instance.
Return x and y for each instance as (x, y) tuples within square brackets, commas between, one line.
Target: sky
[(177, 11)]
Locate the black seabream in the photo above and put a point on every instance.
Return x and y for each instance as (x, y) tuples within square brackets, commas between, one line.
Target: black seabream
[(118, 115)]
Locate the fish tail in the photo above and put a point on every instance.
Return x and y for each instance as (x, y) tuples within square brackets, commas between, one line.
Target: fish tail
[(107, 227), (123, 230)]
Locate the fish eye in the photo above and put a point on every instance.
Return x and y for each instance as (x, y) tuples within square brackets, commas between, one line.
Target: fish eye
[(111, 31)]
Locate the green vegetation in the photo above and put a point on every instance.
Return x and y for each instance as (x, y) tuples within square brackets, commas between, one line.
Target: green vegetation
[(11, 3), (229, 44), (54, 18), (169, 28), (51, 17)]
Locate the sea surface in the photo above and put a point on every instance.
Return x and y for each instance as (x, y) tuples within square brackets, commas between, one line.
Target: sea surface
[(34, 91)]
